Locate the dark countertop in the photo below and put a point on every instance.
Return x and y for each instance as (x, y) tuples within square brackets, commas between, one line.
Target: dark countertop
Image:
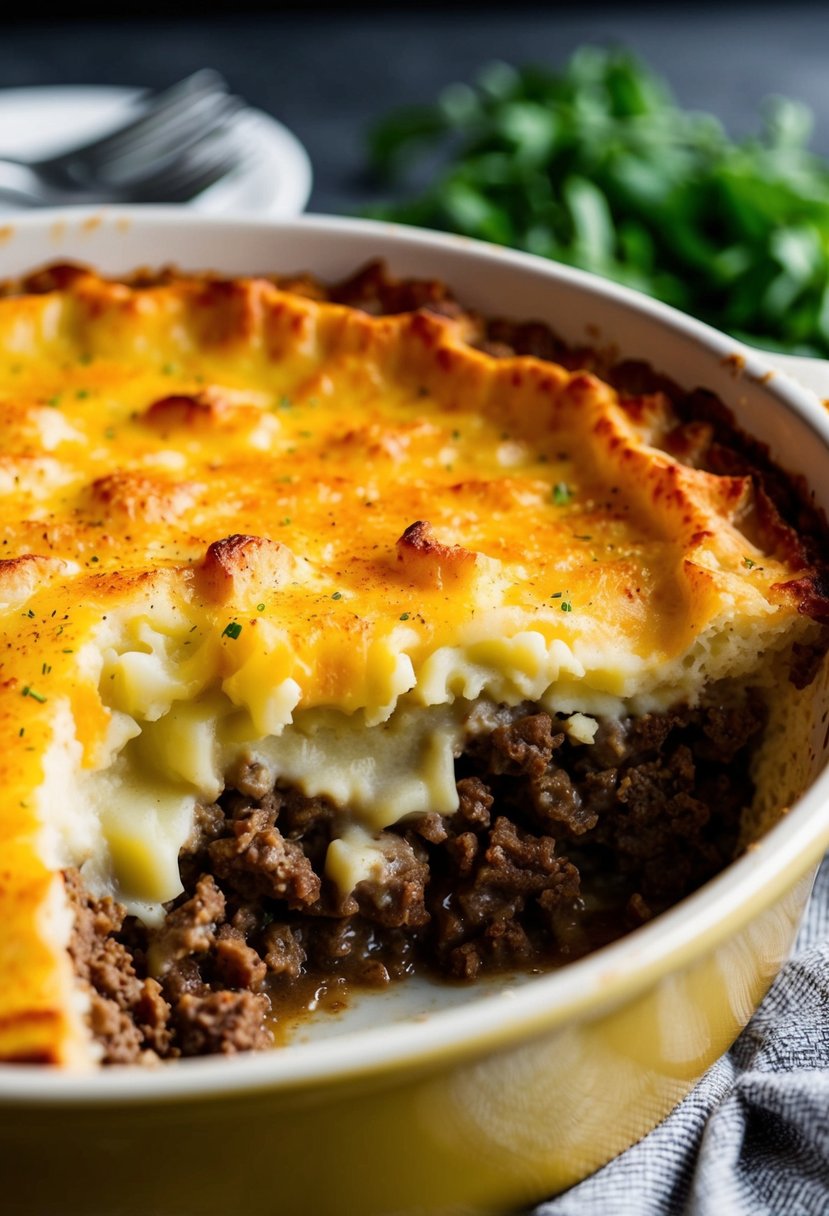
[(328, 73)]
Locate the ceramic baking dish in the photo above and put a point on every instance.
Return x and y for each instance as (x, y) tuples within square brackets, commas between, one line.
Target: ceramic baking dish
[(455, 1100)]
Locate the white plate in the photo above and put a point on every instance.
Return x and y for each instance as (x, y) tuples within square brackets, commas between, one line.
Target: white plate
[(40, 122)]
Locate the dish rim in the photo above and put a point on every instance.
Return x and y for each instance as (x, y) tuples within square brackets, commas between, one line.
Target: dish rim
[(488, 1020)]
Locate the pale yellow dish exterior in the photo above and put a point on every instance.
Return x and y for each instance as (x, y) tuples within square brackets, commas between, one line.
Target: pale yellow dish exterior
[(503, 1125)]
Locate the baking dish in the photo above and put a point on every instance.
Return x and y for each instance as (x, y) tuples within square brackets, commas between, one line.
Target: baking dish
[(507, 1093)]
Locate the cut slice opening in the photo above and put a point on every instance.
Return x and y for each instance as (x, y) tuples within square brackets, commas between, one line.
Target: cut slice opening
[(563, 839)]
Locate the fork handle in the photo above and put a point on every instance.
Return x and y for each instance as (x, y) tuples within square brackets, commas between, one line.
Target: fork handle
[(20, 183)]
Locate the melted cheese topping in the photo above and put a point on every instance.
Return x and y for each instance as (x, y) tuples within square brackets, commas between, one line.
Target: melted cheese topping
[(236, 523)]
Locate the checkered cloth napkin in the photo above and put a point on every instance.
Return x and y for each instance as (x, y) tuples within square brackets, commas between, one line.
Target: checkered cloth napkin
[(753, 1138)]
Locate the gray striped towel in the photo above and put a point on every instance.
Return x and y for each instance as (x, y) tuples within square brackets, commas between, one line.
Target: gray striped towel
[(752, 1139)]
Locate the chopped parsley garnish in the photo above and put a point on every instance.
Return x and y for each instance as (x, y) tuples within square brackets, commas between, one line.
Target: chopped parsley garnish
[(577, 537), (284, 403), (109, 433), (749, 563), (53, 401), (456, 434), (36, 696), (168, 369), (232, 630), (337, 595), (561, 493), (404, 616), (260, 607), (94, 558), (45, 669), (566, 606), (556, 595), (81, 393), (285, 521)]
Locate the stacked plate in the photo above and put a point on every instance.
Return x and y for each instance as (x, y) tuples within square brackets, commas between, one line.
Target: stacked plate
[(274, 184)]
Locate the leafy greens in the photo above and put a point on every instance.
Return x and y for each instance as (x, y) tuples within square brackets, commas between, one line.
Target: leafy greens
[(598, 167)]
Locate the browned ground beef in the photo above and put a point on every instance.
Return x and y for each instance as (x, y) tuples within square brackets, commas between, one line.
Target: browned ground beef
[(555, 848)]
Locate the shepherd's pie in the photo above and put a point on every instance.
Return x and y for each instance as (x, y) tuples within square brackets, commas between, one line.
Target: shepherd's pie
[(345, 635)]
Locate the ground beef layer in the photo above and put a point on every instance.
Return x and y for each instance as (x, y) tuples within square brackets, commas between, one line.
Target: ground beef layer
[(556, 848)]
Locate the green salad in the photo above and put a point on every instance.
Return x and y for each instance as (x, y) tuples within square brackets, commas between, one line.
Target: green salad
[(597, 166)]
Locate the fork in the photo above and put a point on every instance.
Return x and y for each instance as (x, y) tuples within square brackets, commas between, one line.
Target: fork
[(186, 138)]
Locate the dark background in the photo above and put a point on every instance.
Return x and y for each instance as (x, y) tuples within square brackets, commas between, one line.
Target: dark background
[(329, 70)]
